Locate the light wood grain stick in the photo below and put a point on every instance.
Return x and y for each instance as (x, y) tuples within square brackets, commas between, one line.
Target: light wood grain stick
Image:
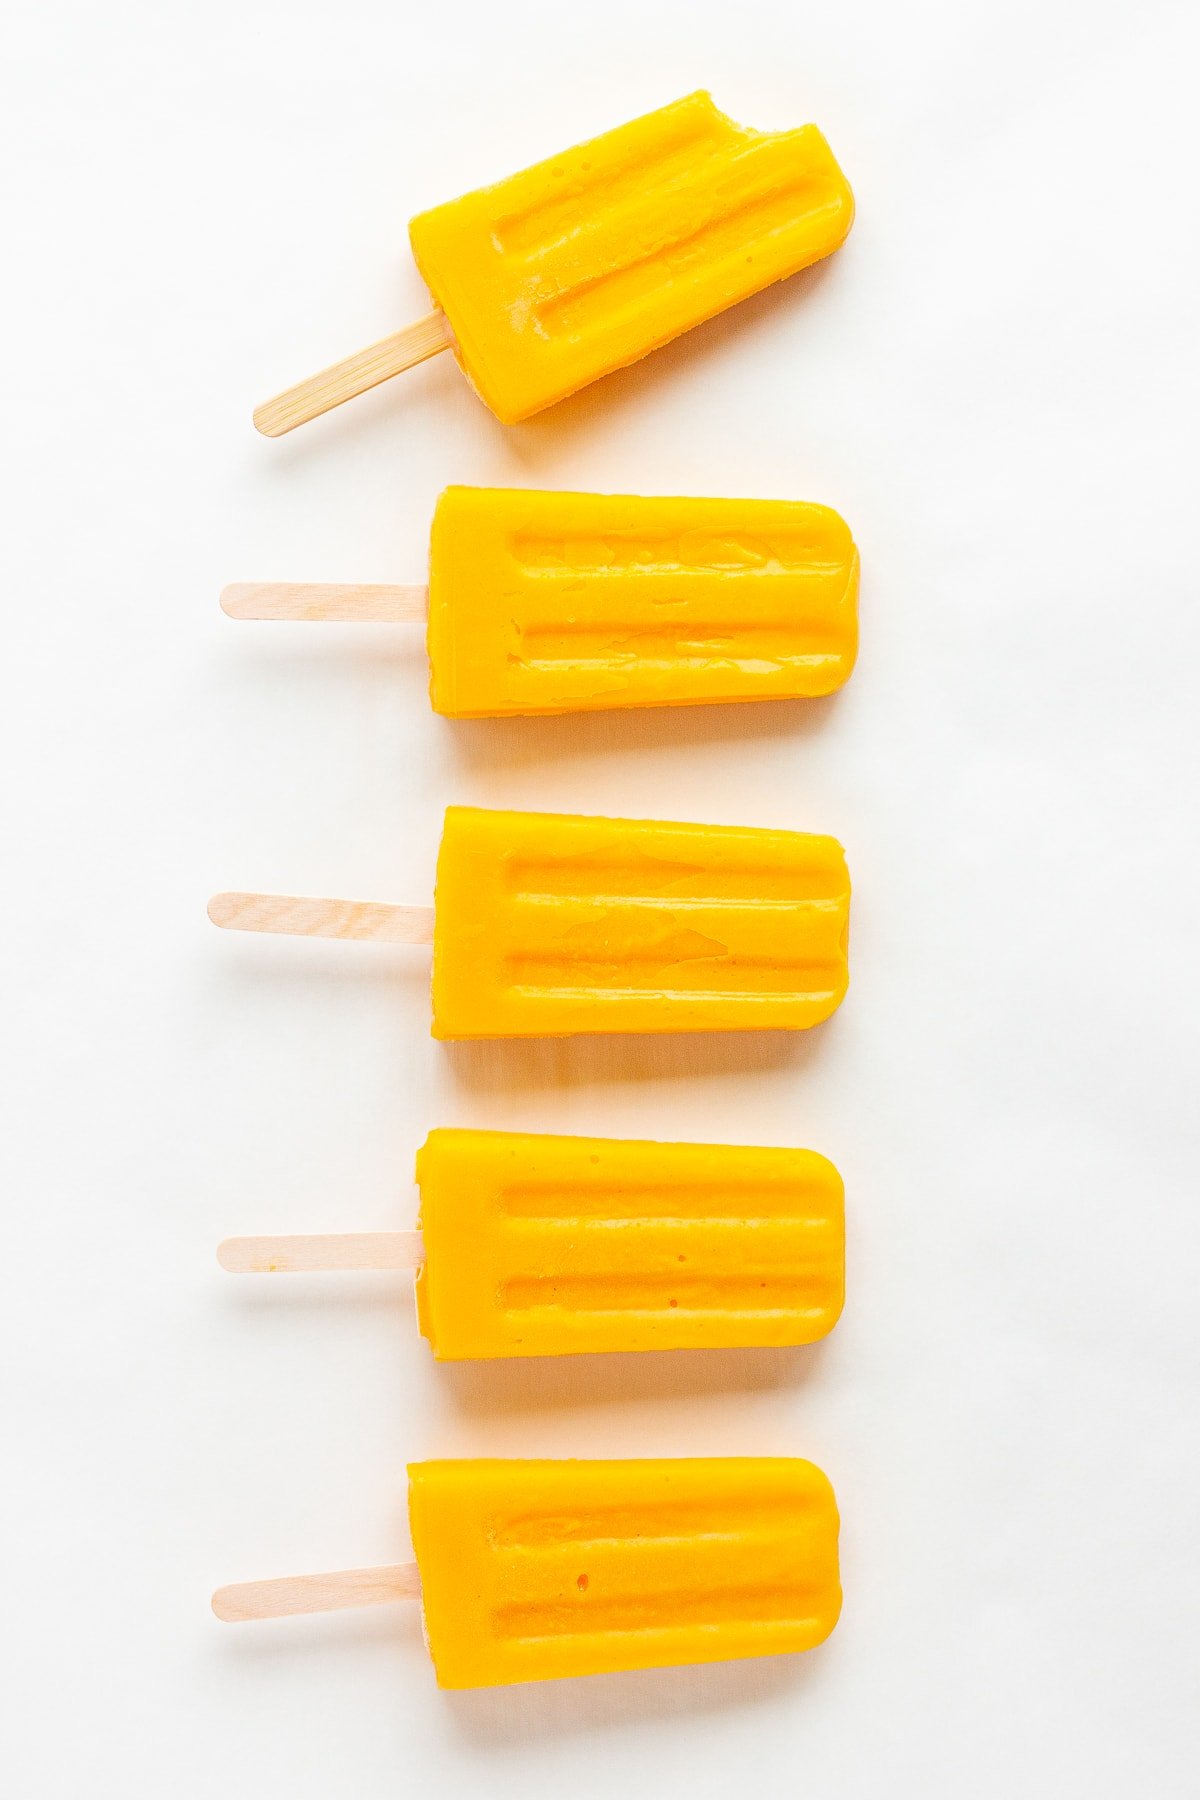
[(339, 604), (321, 393), (339, 1250), (288, 916), (316, 1593)]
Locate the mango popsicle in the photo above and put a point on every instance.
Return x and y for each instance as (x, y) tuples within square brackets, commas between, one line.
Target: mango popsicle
[(531, 1571), (552, 925), (550, 1246), (590, 260), (551, 603)]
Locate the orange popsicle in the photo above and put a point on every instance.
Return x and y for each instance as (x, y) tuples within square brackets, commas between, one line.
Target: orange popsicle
[(529, 1571), (550, 924), (578, 602), (556, 925), (553, 603), (590, 260), (551, 1246)]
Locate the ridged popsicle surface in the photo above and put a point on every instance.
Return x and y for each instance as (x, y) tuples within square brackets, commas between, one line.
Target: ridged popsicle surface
[(551, 924), (593, 258), (536, 1570), (550, 1246), (547, 602)]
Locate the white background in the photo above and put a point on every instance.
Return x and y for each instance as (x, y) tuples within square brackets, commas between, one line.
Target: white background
[(996, 382)]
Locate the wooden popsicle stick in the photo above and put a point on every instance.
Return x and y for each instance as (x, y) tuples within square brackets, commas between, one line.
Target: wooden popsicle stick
[(316, 1593), (336, 1250), (336, 603), (292, 917), (321, 393)]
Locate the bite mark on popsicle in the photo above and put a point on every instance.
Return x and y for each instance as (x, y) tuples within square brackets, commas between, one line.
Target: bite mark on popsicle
[(587, 262)]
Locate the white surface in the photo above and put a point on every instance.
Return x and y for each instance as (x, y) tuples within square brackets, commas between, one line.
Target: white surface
[(996, 382)]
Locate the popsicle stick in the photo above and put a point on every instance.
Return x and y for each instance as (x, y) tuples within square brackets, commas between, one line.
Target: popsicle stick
[(316, 1593), (337, 1250), (341, 605), (321, 393), (291, 917)]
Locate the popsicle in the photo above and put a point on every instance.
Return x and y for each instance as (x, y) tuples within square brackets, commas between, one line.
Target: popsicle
[(546, 281), (529, 1571), (551, 603), (552, 1246), (550, 924)]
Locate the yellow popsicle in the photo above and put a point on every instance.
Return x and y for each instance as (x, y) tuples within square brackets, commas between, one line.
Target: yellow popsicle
[(593, 258), (535, 1570), (590, 260), (549, 603), (551, 924), (548, 1246)]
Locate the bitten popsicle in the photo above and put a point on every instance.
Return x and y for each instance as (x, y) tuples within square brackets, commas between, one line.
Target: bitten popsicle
[(529, 1571), (552, 603), (548, 924), (553, 1246), (546, 281)]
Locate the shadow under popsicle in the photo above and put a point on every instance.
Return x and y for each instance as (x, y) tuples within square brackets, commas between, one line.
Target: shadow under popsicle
[(535, 1384), (496, 1066), (495, 746), (388, 1298), (299, 969), (509, 1718), (519, 1386), (498, 745)]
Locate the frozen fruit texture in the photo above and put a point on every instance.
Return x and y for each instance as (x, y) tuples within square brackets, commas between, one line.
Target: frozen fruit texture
[(533, 1570), (552, 924), (547, 602), (590, 260), (548, 1246)]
